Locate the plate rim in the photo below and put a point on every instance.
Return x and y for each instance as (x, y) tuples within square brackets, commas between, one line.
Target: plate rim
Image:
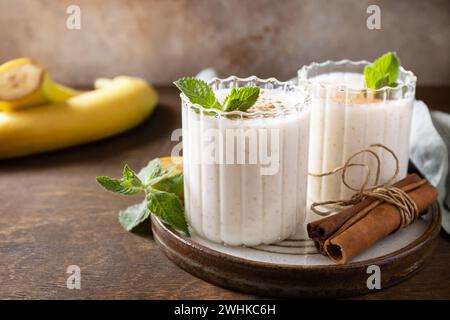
[(428, 235)]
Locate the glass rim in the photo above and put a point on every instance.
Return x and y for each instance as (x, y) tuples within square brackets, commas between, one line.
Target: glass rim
[(287, 86), (302, 73)]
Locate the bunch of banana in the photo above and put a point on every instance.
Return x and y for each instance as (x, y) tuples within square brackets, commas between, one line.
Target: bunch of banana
[(37, 114)]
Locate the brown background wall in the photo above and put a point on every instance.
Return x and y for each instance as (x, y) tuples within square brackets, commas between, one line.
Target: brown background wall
[(162, 40)]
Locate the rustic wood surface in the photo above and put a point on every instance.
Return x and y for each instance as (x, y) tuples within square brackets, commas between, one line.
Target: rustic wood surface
[(53, 214)]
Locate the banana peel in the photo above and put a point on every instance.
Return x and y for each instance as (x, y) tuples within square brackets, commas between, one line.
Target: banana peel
[(117, 105), (175, 162), (25, 83)]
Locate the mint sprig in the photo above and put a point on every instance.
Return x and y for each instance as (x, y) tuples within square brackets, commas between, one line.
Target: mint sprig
[(152, 170), (201, 93), (129, 185), (198, 91), (134, 215), (241, 99), (383, 72), (163, 195), (164, 204), (172, 184)]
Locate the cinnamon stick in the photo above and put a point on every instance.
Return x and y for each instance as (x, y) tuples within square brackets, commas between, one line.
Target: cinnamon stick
[(376, 225), (322, 229)]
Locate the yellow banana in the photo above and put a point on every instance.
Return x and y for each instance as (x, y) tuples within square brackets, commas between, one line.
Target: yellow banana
[(24, 83), (176, 162), (119, 104)]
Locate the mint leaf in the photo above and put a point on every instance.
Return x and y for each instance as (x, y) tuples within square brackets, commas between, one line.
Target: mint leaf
[(172, 184), (162, 176), (151, 171), (164, 195), (130, 178), (383, 72), (130, 184), (169, 208), (198, 92), (241, 99), (372, 77), (388, 64), (134, 215)]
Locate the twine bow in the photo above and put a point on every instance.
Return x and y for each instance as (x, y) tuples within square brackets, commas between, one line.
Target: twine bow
[(395, 196)]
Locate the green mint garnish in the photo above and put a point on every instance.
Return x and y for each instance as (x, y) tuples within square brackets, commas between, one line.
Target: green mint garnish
[(129, 185), (134, 215), (201, 93), (164, 205), (383, 72), (163, 195), (198, 91), (152, 170), (172, 184), (241, 99)]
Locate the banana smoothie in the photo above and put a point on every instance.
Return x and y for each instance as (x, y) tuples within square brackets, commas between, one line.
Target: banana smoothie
[(246, 172), (346, 118)]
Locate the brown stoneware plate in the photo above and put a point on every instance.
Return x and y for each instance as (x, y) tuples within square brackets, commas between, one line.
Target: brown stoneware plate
[(294, 269)]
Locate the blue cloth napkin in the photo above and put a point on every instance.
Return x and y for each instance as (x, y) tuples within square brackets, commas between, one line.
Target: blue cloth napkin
[(429, 148)]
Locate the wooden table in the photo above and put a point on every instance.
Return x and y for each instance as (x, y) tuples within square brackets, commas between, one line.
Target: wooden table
[(53, 214)]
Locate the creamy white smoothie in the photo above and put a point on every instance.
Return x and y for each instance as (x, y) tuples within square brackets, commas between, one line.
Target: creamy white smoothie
[(346, 118), (245, 173)]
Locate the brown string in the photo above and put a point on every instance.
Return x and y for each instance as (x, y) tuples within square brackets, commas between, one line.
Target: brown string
[(384, 192), (399, 198), (363, 213)]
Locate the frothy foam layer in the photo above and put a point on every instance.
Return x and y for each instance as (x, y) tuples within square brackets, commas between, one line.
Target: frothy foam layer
[(350, 79), (269, 100), (348, 88)]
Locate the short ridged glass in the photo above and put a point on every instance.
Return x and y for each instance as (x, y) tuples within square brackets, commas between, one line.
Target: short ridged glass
[(346, 118), (233, 202)]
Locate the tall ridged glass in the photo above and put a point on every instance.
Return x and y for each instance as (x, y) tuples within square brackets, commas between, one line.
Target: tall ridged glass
[(347, 117), (247, 202)]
